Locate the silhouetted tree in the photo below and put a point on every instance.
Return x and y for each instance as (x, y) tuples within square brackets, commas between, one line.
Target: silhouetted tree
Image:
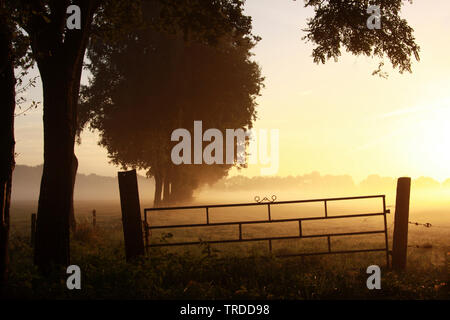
[(59, 54), (153, 83), (342, 24), (13, 54), (7, 142)]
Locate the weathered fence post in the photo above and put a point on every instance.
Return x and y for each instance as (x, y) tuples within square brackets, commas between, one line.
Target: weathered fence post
[(131, 214), (33, 228), (400, 242), (94, 218)]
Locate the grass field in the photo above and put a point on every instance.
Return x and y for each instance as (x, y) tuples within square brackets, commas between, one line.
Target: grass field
[(238, 271)]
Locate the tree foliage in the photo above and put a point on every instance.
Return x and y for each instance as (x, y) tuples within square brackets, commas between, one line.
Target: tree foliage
[(342, 25), (152, 83)]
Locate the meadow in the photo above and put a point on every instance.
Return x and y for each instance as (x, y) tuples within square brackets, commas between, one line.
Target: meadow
[(242, 270)]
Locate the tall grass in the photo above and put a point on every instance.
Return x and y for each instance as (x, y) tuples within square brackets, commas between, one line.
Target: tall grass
[(212, 274)]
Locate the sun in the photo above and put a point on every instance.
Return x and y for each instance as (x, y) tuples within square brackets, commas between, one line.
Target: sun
[(428, 140)]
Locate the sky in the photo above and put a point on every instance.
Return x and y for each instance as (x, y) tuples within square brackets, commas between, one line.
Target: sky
[(335, 118)]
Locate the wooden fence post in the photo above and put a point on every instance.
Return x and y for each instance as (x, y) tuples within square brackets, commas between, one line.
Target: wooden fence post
[(400, 241), (131, 214), (33, 228)]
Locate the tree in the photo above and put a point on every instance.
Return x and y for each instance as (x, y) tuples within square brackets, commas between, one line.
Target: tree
[(341, 24), (152, 83), (13, 54), (59, 53), (7, 142)]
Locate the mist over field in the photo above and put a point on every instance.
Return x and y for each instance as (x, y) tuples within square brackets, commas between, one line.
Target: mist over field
[(429, 198), (429, 204)]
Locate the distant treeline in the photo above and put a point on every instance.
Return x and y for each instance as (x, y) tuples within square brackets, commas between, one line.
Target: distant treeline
[(27, 179), (315, 182), (26, 182)]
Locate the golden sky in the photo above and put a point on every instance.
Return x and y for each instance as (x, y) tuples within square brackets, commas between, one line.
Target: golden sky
[(335, 118)]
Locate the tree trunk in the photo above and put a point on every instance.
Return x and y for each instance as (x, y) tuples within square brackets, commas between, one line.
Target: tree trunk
[(158, 189), (174, 189), (59, 54), (56, 193), (7, 143), (73, 221), (166, 200)]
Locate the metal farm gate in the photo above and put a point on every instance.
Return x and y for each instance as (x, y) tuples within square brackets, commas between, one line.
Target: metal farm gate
[(269, 220)]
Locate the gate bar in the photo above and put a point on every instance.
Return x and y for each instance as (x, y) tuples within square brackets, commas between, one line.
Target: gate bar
[(265, 221), (259, 204), (264, 239)]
